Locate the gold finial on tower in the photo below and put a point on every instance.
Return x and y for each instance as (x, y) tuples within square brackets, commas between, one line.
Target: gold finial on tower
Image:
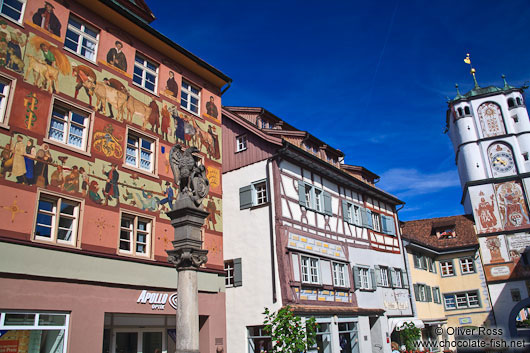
[(467, 60)]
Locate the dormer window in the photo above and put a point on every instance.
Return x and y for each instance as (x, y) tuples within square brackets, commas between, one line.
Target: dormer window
[(444, 232), (460, 112), (519, 101), (511, 103), (467, 111)]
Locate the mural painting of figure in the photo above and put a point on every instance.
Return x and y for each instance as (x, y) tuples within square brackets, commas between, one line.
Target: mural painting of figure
[(57, 178), (169, 196), (172, 88), (43, 159), (19, 164), (46, 65), (45, 18), (165, 122), (111, 186), (85, 78), (71, 181), (7, 160), (116, 57), (179, 127), (212, 212), (146, 201), (211, 108), (84, 181), (93, 192), (511, 204), (486, 214), (13, 52), (29, 158), (213, 148), (154, 116)]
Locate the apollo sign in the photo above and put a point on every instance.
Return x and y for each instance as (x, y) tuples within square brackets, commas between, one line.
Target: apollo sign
[(157, 300)]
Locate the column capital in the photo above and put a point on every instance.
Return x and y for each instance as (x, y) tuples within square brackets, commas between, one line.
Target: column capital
[(187, 258)]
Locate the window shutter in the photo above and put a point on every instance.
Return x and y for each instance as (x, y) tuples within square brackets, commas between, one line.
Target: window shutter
[(434, 266), (367, 218), (345, 213), (390, 227), (417, 292), (435, 295), (423, 262), (238, 275), (384, 227), (378, 276), (392, 277), (301, 194), (245, 197), (428, 292), (415, 260), (356, 277), (404, 279), (374, 282), (327, 204)]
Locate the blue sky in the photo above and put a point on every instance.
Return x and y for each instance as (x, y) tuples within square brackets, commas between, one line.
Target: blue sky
[(369, 78)]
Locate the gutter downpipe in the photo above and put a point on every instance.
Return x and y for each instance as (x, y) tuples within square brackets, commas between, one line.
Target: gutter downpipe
[(271, 231), (229, 83), (409, 277)]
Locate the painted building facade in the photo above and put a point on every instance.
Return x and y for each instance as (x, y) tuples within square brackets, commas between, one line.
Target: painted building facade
[(490, 131), (303, 229), (92, 99), (448, 279)]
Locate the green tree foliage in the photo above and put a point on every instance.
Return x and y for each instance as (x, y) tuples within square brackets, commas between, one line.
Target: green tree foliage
[(289, 333), (409, 334)]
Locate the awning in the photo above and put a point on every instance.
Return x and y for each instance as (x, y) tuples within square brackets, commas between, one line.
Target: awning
[(395, 323)]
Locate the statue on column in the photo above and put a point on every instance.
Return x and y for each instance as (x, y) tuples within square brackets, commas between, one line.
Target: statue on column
[(190, 174)]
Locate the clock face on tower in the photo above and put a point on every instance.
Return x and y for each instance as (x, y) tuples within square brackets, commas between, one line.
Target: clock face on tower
[(501, 160)]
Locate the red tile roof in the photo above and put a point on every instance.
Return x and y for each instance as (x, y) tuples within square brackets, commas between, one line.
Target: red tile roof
[(422, 231)]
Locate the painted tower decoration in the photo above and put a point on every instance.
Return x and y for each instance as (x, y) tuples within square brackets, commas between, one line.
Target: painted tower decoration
[(490, 131)]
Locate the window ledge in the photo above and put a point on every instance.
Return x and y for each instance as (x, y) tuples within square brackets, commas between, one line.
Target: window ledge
[(132, 256), (260, 205), (189, 111), (139, 170), (4, 126), (65, 146), (54, 243), (145, 89), (20, 24), (243, 150), (80, 56)]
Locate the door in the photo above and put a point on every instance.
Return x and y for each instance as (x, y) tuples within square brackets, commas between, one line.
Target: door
[(139, 341)]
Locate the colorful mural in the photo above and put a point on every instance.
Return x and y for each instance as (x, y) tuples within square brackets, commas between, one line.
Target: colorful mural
[(486, 213), (46, 73), (512, 207), (490, 117)]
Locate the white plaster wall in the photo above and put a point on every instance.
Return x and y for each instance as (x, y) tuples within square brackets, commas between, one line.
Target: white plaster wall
[(502, 302), (246, 236), (468, 157)]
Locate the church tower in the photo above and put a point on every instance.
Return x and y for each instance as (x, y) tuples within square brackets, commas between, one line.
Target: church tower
[(490, 131)]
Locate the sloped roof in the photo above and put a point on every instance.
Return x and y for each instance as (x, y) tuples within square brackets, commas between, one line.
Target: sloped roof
[(420, 232)]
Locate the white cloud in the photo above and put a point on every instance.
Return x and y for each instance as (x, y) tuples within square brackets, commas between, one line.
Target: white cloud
[(410, 182)]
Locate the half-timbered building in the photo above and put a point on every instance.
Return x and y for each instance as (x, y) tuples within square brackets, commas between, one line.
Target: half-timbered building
[(304, 229)]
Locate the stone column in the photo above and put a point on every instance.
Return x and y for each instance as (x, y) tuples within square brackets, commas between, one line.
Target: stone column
[(187, 255)]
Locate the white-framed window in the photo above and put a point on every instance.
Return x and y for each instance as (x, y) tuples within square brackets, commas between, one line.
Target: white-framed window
[(310, 270), (308, 195), (462, 300), (5, 92), (241, 143), (57, 219), (69, 126), (140, 152), (259, 193), (364, 276), (398, 283), (467, 265), (82, 38), (135, 235), (436, 295), (447, 268), (318, 200), (190, 97), (376, 221), (13, 9), (229, 273), (258, 340), (42, 332), (340, 274), (145, 73), (384, 276)]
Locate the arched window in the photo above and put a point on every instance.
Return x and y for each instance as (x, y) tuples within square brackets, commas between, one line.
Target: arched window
[(511, 103), (467, 111), (460, 112), (518, 99)]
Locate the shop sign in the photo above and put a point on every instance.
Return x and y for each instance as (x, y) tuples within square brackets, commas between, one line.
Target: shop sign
[(157, 300), (464, 320)]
